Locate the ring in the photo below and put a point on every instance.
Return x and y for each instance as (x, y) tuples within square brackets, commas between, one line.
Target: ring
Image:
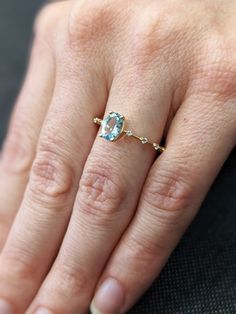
[(113, 127)]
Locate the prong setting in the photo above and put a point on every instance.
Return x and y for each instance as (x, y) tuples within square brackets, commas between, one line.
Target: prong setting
[(113, 127)]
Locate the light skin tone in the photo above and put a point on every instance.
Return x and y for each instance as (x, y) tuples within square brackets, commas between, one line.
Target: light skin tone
[(96, 221)]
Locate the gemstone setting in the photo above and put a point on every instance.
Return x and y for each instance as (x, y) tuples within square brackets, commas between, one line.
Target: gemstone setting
[(112, 126)]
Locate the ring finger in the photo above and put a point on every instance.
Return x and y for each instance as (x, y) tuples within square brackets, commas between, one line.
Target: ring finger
[(104, 205)]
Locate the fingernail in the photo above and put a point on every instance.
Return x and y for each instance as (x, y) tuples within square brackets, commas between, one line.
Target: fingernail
[(5, 308), (43, 310), (109, 298)]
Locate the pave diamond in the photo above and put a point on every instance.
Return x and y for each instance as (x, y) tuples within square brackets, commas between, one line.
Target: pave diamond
[(129, 133), (112, 126), (144, 140), (156, 146)]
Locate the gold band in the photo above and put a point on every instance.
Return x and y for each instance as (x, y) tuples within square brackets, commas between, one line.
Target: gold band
[(143, 140)]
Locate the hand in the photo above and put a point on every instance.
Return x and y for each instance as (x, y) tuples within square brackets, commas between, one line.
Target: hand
[(98, 220)]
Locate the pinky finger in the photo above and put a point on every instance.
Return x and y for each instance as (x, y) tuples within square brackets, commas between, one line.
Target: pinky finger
[(174, 190)]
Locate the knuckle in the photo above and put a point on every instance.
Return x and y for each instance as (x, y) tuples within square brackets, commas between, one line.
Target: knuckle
[(18, 149), (90, 21), (153, 33), (48, 20), (101, 192), (217, 72), (143, 250), (71, 280), (19, 264), (168, 192), (51, 176), (45, 20), (144, 42)]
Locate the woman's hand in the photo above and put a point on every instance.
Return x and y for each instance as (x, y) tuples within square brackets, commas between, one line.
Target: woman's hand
[(98, 218)]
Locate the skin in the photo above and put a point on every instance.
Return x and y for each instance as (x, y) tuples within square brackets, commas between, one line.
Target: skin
[(88, 210)]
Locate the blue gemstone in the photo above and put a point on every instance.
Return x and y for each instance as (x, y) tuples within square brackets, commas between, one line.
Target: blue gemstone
[(112, 126)]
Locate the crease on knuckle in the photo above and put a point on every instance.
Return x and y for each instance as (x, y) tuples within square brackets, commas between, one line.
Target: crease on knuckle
[(18, 149), (168, 193), (71, 280), (216, 69), (20, 264), (144, 251), (101, 191), (52, 177), (152, 37), (90, 21)]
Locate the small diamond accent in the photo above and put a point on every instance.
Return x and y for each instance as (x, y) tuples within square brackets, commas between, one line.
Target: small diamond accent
[(156, 146), (144, 140), (129, 133)]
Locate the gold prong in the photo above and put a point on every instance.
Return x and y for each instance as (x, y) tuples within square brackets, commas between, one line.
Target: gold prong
[(97, 121), (161, 149)]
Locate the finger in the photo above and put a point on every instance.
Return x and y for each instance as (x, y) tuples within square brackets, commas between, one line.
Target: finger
[(64, 143), (104, 204), (20, 144), (199, 141)]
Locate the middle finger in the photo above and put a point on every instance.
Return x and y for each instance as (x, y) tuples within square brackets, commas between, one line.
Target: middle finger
[(46, 208)]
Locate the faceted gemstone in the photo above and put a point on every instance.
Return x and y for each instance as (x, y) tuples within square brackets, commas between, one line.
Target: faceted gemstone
[(112, 126)]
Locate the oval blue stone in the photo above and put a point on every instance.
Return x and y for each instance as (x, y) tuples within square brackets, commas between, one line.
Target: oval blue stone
[(112, 126)]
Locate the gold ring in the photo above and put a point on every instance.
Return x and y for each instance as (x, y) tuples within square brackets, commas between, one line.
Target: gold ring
[(113, 127)]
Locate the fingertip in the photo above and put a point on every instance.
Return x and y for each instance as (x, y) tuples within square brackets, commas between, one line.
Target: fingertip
[(109, 299), (93, 309)]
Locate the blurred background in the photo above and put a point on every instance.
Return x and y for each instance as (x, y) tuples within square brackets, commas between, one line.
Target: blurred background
[(16, 18), (201, 274)]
